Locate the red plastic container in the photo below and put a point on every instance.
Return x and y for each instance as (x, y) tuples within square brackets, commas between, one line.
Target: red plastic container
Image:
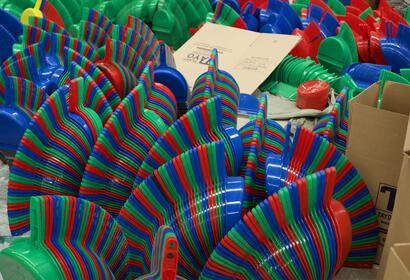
[(313, 95)]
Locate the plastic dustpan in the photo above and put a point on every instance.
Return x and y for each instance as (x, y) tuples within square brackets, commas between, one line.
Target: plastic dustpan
[(273, 9), (11, 24), (192, 194), (248, 104), (345, 54), (164, 256), (308, 45), (166, 74), (249, 18), (337, 7), (326, 20), (324, 6), (225, 15), (365, 74), (70, 239), (53, 152), (194, 18), (258, 4), (200, 125), (7, 41), (120, 149), (217, 82), (308, 153), (170, 23), (231, 3), (299, 231), (285, 22), (397, 50), (22, 100)]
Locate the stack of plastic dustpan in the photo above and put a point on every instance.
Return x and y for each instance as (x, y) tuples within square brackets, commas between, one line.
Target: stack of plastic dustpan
[(397, 50), (119, 10), (226, 15), (282, 19), (91, 33), (52, 153), (386, 11), (47, 63), (361, 31), (293, 71), (231, 3), (200, 125), (170, 19), (121, 65), (365, 74), (164, 256), (326, 20), (297, 233), (10, 30), (135, 34), (22, 100), (192, 194), (70, 239), (161, 100), (16, 8), (167, 74), (217, 82), (46, 25), (120, 149), (334, 126), (338, 52), (170, 23), (309, 153), (140, 27), (255, 152)]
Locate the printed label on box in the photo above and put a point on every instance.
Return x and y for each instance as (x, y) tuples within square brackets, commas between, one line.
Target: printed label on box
[(384, 208)]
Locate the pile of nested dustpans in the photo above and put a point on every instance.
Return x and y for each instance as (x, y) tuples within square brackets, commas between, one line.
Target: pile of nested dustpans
[(120, 172)]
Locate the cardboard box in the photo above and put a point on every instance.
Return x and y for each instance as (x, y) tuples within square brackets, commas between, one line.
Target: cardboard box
[(375, 145), (398, 263), (399, 231), (250, 57)]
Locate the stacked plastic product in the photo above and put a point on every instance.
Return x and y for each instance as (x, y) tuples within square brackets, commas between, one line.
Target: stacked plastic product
[(119, 172)]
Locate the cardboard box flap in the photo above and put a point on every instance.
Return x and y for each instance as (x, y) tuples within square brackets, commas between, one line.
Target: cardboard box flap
[(368, 97), (407, 141), (396, 98), (250, 57)]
